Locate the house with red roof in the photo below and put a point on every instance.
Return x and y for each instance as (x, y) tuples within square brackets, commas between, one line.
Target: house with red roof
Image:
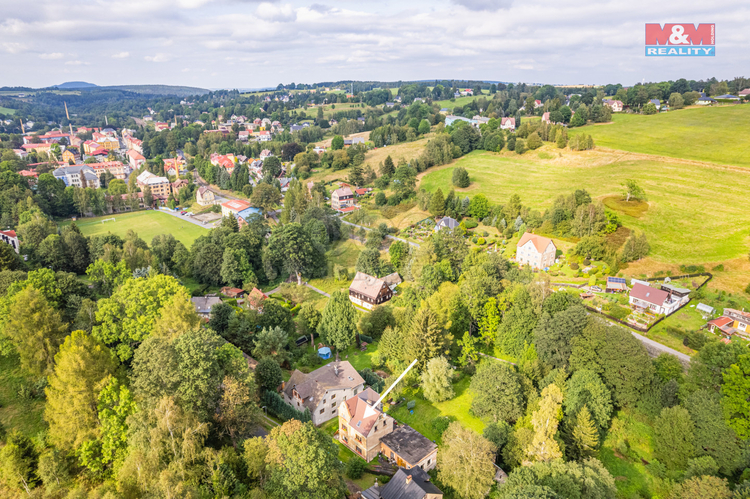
[(733, 323), (135, 159), (45, 148), (160, 125), (656, 301), (537, 251), (90, 146), (537, 103), (10, 237), (508, 124), (233, 207), (545, 117)]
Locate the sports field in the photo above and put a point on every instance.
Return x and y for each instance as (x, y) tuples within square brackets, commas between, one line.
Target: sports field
[(697, 213), (146, 224), (715, 134)]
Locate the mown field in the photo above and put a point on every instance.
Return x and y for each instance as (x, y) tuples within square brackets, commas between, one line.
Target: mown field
[(716, 134), (696, 213), (146, 224)]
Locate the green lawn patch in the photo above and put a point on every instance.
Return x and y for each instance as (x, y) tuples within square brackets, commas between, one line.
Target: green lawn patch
[(7, 111), (635, 209), (681, 223), (713, 134), (147, 224), (17, 413)]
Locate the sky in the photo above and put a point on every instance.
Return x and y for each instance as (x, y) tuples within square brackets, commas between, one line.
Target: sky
[(249, 44)]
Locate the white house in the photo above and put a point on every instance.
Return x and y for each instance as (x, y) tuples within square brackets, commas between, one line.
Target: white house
[(537, 251), (614, 105), (10, 237), (323, 390), (657, 301), (508, 124)]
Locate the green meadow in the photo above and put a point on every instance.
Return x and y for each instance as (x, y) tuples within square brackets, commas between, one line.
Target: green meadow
[(696, 213), (714, 134), (146, 224)]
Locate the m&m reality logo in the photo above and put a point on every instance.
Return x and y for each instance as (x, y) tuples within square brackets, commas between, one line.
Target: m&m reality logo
[(684, 40)]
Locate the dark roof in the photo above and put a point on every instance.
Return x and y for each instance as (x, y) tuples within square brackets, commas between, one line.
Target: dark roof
[(408, 443), (416, 488), (367, 285), (313, 387)]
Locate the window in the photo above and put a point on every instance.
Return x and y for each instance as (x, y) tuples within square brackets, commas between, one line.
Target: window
[(322, 411), (376, 428), (428, 461), (324, 401), (333, 405), (355, 391), (333, 396)]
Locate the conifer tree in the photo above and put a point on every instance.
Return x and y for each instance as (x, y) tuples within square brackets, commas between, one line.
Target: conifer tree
[(425, 340), (437, 204), (387, 168), (585, 436), (543, 446)]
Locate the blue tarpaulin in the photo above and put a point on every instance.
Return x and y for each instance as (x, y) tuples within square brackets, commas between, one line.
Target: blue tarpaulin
[(324, 353)]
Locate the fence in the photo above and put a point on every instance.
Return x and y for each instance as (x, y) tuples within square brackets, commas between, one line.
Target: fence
[(657, 321)]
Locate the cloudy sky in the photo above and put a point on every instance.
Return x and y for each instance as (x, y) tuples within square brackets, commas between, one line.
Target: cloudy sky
[(250, 44)]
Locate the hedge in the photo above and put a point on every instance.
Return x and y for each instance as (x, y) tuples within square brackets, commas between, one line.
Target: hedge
[(376, 382), (276, 405)]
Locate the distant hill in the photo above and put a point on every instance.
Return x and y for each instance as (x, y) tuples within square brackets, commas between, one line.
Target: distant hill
[(176, 90), (69, 85)]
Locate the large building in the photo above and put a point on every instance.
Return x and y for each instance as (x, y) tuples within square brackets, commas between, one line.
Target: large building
[(537, 251), (405, 484), (233, 207), (368, 431), (205, 196), (116, 168), (323, 390), (341, 198), (77, 176), (161, 187), (368, 291), (135, 159)]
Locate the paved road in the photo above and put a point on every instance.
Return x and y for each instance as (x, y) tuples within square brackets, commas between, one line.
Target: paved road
[(410, 243), (655, 347), (317, 290), (501, 360), (192, 220)]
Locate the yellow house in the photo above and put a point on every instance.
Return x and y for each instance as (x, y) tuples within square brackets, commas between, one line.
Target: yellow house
[(68, 156)]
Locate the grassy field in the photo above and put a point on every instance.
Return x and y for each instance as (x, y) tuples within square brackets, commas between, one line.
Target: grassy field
[(682, 222), (7, 110), (16, 412), (716, 134), (146, 224)]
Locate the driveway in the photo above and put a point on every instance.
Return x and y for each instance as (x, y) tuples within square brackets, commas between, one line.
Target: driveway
[(655, 348), (192, 220)]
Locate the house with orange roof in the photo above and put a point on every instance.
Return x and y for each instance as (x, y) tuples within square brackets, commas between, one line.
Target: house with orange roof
[(233, 207), (90, 146), (135, 159), (537, 251), (10, 237)]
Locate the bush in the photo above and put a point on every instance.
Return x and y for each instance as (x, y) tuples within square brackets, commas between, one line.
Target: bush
[(365, 338), (355, 468), (619, 312), (694, 340), (281, 409), (574, 266), (441, 423), (376, 382), (474, 239), (481, 241), (587, 262), (411, 404), (719, 268), (470, 223), (380, 199), (460, 177)]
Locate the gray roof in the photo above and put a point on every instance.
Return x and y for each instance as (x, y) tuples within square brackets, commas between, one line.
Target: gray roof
[(447, 222), (411, 445), (705, 308), (675, 289), (203, 304), (399, 487), (312, 387)]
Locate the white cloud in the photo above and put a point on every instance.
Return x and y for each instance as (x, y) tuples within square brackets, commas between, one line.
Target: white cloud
[(121, 55), (14, 47), (479, 5), (157, 58), (77, 63), (51, 56), (275, 13)]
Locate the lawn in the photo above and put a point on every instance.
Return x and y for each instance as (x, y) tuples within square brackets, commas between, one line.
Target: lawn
[(425, 411), (461, 101), (681, 222), (16, 412), (714, 134), (7, 111), (146, 224)]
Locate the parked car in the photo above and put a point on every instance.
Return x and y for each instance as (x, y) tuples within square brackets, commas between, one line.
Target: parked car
[(183, 212), (597, 289), (190, 214)]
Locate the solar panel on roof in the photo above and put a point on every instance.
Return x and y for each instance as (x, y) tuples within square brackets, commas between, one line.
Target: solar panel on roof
[(617, 279)]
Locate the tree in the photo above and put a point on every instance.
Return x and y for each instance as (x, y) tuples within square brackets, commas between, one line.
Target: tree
[(35, 329), (676, 101), (554, 335), (302, 463), (585, 436), (424, 127), (271, 343), (437, 204), (271, 167), (633, 191), (545, 420), (705, 487), (588, 479), (460, 177), (338, 322), (292, 247), (235, 269), (636, 247), (268, 374), (18, 462), (129, 315), (8, 258), (466, 462), (337, 143), (387, 169), (148, 196), (265, 197), (650, 108), (490, 322), (437, 383), (425, 339), (368, 261), (237, 411), (107, 276), (534, 141), (399, 254), (498, 393), (713, 437), (81, 366), (479, 206), (674, 442), (585, 388), (178, 316), (735, 400)]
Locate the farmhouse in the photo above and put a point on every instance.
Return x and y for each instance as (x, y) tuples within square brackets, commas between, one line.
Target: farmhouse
[(733, 322), (657, 301), (405, 484), (342, 198), (537, 251), (322, 390), (367, 430), (368, 291)]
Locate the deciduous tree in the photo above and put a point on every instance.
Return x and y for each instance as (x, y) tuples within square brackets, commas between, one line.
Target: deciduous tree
[(498, 393), (674, 441), (338, 322), (437, 378), (466, 462), (546, 419)]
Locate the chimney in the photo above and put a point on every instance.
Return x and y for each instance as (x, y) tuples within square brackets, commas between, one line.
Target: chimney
[(408, 479), (336, 369)]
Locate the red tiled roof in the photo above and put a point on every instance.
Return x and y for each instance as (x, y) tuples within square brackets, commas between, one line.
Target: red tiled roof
[(721, 321), (10, 233), (236, 205), (540, 242), (348, 209)]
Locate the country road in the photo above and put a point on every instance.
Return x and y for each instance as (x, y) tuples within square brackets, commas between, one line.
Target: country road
[(655, 348)]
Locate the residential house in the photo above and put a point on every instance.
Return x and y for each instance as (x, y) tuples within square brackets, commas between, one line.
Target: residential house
[(508, 124), (177, 185), (368, 291), (681, 295), (21, 153), (616, 284), (10, 237), (405, 484), (323, 390), (537, 103), (160, 126), (342, 198), (450, 119), (45, 148), (656, 103), (233, 207), (135, 159), (705, 101), (231, 292), (90, 146), (732, 322), (537, 251), (243, 217), (204, 196), (615, 105), (354, 141), (160, 187), (204, 304), (265, 153), (466, 91), (656, 301), (264, 136), (390, 104), (392, 280), (255, 299), (368, 431), (174, 166), (727, 97), (446, 223), (545, 117), (244, 135), (68, 156), (77, 176), (116, 168)]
